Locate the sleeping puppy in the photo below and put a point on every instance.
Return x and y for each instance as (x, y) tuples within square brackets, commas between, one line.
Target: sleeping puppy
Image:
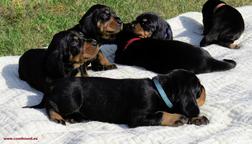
[(67, 52), (150, 25), (162, 56), (223, 24), (169, 100)]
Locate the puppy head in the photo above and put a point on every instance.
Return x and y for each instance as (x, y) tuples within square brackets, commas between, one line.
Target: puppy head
[(71, 49), (145, 25), (100, 22), (68, 50), (210, 5), (185, 91), (80, 50)]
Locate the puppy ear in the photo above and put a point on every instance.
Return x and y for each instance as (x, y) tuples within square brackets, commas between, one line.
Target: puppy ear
[(189, 105), (54, 64)]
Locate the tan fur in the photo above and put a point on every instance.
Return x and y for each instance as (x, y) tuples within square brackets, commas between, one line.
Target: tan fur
[(140, 31), (109, 28), (234, 46), (54, 116), (201, 100), (169, 119)]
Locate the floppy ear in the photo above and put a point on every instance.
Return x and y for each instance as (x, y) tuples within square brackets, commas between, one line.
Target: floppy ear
[(54, 64), (188, 105), (88, 23)]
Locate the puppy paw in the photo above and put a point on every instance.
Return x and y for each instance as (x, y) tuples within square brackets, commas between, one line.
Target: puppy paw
[(181, 121), (175, 120), (202, 120), (60, 121), (109, 67), (103, 67), (234, 46), (54, 116), (71, 120)]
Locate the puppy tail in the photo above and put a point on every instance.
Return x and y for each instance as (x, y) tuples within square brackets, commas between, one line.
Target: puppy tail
[(223, 65), (38, 106)]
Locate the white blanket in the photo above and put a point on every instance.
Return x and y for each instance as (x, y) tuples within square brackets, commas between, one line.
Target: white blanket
[(228, 104)]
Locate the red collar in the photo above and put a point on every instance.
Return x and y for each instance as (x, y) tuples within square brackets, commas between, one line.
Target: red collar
[(129, 42), (218, 6)]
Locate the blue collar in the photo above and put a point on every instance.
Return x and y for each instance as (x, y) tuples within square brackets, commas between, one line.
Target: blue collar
[(162, 93)]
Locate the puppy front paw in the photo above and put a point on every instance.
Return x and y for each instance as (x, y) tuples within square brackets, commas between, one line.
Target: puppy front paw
[(181, 121), (234, 46), (201, 120), (111, 66), (103, 67), (175, 120)]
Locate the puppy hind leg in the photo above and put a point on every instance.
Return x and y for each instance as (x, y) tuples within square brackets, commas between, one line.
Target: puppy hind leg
[(218, 65), (56, 117), (159, 118), (51, 109)]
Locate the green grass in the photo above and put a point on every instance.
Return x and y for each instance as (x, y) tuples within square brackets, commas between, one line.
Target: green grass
[(26, 24)]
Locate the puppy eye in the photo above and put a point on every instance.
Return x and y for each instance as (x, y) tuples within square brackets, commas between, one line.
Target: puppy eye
[(107, 11), (145, 20), (94, 43), (105, 17)]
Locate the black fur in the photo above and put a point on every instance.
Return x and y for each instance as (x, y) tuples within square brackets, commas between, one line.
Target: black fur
[(162, 56), (31, 68), (222, 26), (135, 102)]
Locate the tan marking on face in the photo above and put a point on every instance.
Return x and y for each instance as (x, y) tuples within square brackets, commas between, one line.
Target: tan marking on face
[(88, 52), (169, 119), (109, 28), (201, 100), (138, 30)]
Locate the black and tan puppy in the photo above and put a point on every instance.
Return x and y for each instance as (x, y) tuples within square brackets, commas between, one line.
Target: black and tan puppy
[(162, 56), (101, 23), (223, 24), (150, 25), (66, 51), (63, 58), (136, 102)]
